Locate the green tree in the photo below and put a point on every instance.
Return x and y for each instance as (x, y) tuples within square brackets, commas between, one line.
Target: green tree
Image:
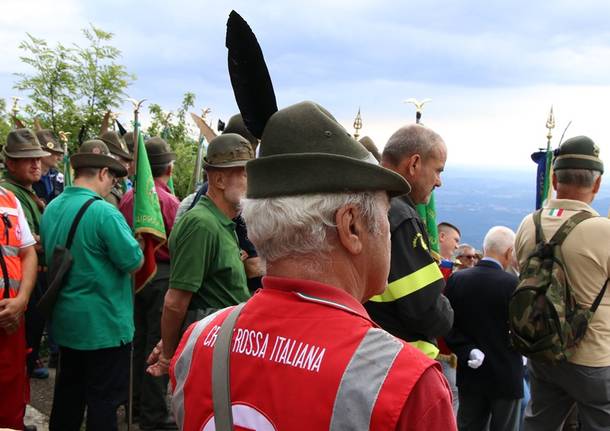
[(70, 88), (5, 122), (51, 88), (177, 133), (100, 81)]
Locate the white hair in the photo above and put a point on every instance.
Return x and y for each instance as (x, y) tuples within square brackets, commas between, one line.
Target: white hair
[(286, 225), (498, 239)]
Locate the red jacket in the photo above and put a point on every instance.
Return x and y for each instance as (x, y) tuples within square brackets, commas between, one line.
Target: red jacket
[(306, 356)]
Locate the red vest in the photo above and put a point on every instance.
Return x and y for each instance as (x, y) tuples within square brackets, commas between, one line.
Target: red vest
[(305, 356), (10, 241)]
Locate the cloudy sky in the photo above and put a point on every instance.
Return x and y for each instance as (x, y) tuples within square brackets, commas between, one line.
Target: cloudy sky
[(492, 69)]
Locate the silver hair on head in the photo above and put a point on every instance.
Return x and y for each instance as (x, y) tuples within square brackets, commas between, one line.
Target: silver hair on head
[(288, 225)]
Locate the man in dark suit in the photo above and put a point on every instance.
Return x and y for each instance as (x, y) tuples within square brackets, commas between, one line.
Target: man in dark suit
[(489, 373)]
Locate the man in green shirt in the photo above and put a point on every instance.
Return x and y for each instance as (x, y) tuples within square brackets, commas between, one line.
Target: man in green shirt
[(207, 272), (93, 315), (22, 154)]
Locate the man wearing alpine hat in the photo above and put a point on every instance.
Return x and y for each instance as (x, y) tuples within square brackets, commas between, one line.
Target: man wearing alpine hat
[(207, 272), (119, 150), (93, 316), (317, 213), (23, 154), (584, 378), (51, 182)]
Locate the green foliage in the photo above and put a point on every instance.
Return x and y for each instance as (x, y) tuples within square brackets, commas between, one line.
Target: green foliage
[(5, 124), (73, 87), (175, 130), (101, 83)]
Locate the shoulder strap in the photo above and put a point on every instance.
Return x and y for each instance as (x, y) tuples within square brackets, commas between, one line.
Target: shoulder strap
[(537, 216), (599, 297), (221, 385), (568, 225), (77, 219)]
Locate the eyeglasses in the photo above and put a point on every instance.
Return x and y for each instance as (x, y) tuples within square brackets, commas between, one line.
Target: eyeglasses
[(467, 256)]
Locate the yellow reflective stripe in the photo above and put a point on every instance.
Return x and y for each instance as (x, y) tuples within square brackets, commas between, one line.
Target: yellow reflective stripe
[(428, 349), (411, 283)]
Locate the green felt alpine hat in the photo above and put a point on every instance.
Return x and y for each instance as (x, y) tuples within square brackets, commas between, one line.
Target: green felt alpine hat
[(158, 151), (227, 151), (49, 142), (371, 147), (95, 154), (579, 152), (305, 150), (23, 144), (116, 144), (236, 125)]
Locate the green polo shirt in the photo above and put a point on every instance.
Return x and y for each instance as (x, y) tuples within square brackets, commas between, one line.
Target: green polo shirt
[(205, 258), (94, 309), (28, 200)]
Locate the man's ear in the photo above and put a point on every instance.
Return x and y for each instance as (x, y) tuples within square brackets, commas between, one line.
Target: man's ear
[(409, 165), (350, 229), (217, 178)]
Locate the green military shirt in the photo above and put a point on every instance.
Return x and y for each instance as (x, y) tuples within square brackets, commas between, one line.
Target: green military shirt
[(94, 309), (32, 205), (205, 258)]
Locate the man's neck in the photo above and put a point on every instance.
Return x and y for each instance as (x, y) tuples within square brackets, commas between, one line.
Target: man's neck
[(225, 207), (163, 178), (45, 169), (87, 184), (26, 185)]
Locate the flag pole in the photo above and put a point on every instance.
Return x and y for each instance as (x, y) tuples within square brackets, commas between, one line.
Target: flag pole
[(136, 130)]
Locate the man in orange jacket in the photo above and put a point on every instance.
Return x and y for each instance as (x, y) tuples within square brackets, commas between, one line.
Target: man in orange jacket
[(18, 267)]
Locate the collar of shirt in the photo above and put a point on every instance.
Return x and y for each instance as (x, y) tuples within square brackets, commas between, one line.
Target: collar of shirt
[(162, 185), (570, 204), (76, 190), (210, 205), (314, 291), (491, 259)]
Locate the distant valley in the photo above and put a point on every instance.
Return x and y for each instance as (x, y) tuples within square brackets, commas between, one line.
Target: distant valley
[(477, 199)]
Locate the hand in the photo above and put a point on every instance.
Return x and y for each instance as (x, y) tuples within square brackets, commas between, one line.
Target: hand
[(11, 310), (158, 364), (476, 358)]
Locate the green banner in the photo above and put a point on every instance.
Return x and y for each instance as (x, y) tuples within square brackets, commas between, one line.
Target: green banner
[(147, 216), (427, 213), (67, 170)]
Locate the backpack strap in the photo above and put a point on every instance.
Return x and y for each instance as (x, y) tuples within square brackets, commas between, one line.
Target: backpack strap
[(77, 219), (537, 217), (599, 297), (568, 225), (221, 385)]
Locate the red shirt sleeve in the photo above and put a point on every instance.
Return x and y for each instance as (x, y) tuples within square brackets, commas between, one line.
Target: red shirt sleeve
[(429, 405)]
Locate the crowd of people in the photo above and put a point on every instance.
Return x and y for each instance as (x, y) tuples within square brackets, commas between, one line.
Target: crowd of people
[(297, 288)]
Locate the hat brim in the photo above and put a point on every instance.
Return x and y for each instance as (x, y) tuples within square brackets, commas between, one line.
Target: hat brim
[(26, 154), (574, 163), (297, 174), (91, 160), (235, 164), (160, 159)]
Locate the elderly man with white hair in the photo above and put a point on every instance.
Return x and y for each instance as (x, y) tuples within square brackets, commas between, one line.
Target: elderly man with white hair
[(303, 353), (490, 373)]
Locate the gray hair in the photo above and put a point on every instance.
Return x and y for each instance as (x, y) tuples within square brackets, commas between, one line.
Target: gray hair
[(498, 240), (577, 177), (286, 225), (462, 248), (410, 140)]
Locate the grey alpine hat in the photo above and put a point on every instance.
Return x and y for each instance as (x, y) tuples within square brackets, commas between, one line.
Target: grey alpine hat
[(305, 150), (227, 151), (95, 154), (23, 144)]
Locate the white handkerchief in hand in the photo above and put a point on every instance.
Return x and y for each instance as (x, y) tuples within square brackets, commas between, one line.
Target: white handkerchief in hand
[(476, 358)]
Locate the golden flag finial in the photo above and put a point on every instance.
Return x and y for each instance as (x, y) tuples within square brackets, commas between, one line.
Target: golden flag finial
[(357, 125)]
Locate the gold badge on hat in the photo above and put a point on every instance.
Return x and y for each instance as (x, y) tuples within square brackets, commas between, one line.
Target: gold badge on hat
[(50, 145), (595, 150), (96, 150)]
